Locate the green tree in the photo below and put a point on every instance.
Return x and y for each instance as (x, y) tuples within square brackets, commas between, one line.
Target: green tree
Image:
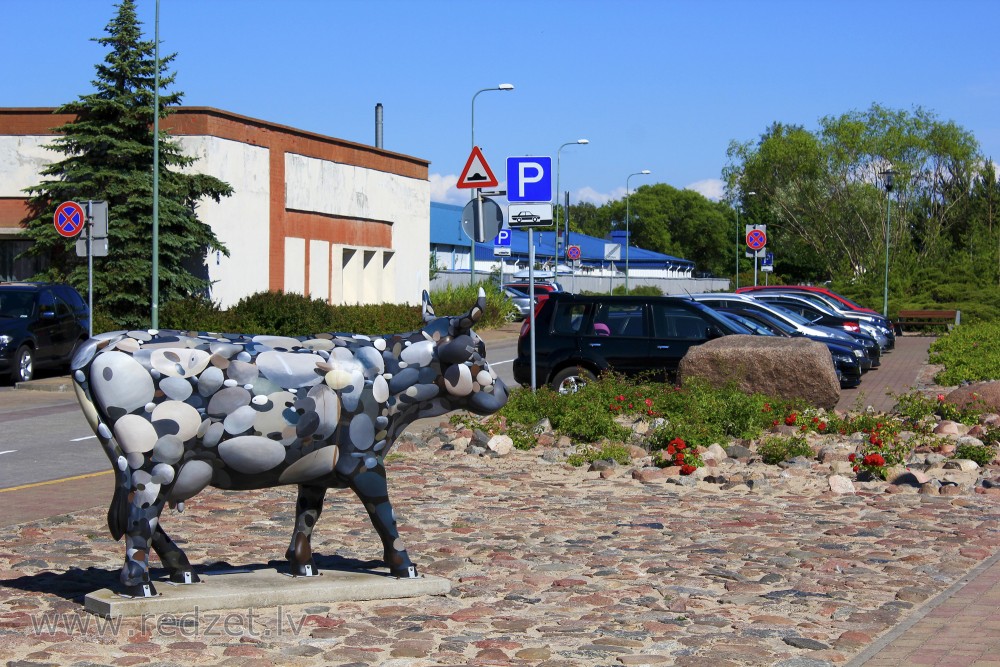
[(109, 155)]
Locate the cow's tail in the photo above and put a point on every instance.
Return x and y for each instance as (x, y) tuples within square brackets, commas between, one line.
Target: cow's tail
[(118, 512)]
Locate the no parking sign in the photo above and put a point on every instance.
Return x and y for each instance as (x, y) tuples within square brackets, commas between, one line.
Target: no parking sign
[(69, 219)]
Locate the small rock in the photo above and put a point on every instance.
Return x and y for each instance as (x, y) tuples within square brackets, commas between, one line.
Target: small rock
[(501, 445), (738, 452), (965, 465), (805, 642), (948, 427), (840, 484), (650, 475)]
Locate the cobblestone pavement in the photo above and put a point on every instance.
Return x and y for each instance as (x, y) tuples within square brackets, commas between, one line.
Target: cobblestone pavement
[(550, 565)]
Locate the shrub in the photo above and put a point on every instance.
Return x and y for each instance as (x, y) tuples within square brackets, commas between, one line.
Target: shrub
[(457, 299), (609, 451), (195, 314), (981, 454), (970, 353), (775, 449)]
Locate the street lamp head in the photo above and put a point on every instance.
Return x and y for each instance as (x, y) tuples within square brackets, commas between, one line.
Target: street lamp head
[(583, 141), (889, 178), (505, 86), (645, 171)]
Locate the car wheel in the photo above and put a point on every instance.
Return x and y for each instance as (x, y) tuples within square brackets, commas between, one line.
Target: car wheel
[(24, 365), (570, 380)]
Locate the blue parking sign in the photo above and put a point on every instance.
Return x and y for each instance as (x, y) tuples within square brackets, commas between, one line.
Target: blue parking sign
[(503, 238), (529, 179)]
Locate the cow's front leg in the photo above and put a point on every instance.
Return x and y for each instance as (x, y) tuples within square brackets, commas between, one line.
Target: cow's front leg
[(373, 492), (307, 510), (142, 523), (173, 558)]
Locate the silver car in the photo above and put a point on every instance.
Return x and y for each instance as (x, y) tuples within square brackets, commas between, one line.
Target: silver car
[(521, 300)]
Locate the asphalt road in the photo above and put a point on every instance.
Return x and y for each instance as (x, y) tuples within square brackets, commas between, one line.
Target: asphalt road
[(44, 436)]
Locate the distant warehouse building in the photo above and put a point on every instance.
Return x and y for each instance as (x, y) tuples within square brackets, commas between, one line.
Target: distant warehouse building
[(340, 221)]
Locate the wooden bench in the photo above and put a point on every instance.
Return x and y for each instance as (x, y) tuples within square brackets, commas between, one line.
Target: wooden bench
[(926, 318)]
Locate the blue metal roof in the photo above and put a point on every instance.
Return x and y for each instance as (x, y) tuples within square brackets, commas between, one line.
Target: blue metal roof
[(446, 229)]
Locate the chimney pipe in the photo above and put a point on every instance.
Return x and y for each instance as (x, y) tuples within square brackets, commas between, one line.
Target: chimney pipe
[(378, 125)]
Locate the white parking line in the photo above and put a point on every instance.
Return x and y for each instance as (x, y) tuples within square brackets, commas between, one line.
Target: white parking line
[(497, 363), (89, 437), (9, 451)]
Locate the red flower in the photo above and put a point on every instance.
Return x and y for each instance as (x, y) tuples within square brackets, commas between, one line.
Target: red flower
[(649, 402), (874, 439), (790, 419), (670, 450), (940, 398), (821, 426), (677, 441), (687, 469), (857, 468), (874, 460), (767, 407), (619, 398), (803, 428), (815, 420), (851, 457), (774, 423)]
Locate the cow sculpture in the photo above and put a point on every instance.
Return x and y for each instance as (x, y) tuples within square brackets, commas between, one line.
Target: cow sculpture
[(178, 411)]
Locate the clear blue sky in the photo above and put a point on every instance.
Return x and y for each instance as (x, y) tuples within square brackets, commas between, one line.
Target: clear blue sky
[(663, 85)]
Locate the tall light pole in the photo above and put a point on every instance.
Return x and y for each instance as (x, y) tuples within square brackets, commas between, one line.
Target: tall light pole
[(154, 317), (627, 237), (559, 195), (888, 178), (475, 191), (738, 237)]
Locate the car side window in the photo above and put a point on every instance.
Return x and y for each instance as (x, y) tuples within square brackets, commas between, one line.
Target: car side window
[(671, 321), (626, 320), (569, 317), (46, 302), (63, 309)]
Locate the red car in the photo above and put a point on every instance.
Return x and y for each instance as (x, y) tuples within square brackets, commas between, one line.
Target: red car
[(846, 303)]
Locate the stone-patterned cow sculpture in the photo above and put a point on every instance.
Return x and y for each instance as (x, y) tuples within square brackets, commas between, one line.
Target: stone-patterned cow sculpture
[(178, 411)]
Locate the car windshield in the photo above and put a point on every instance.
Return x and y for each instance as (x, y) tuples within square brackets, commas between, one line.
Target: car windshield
[(743, 325), (794, 317), (17, 304)]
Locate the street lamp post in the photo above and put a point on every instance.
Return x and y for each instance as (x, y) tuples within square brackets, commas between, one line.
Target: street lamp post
[(888, 178), (559, 194), (475, 191), (627, 237)]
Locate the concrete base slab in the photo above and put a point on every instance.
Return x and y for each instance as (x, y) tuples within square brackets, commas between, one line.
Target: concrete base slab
[(243, 589)]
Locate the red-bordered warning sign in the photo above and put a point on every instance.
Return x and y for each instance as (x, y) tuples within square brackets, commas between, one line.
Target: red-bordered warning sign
[(477, 173), (69, 218)]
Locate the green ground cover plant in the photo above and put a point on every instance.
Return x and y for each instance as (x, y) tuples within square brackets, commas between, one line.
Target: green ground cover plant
[(969, 353)]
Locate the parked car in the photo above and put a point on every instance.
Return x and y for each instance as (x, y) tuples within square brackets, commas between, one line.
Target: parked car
[(521, 300), (578, 337), (721, 300), (847, 359), (870, 321), (821, 314), (542, 289), (41, 325), (840, 298)]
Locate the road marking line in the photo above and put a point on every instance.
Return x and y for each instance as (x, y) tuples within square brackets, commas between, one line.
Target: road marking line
[(9, 451), (56, 481), (89, 437)]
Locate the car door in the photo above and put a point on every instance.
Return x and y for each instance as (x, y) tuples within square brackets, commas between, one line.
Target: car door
[(45, 328), (618, 334), (676, 329)]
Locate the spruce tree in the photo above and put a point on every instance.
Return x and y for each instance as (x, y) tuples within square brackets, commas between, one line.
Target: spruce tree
[(109, 156)]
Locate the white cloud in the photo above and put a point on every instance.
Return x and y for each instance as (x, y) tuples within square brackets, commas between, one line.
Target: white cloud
[(712, 188), (591, 195), (443, 189)]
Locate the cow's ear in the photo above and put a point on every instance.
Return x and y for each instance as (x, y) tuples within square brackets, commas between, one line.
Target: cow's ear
[(427, 310), (463, 323)]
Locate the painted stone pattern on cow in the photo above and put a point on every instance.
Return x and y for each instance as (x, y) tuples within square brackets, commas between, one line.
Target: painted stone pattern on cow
[(178, 411)]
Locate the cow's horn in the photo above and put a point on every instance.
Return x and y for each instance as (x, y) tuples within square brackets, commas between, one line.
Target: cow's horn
[(428, 308), (465, 322)]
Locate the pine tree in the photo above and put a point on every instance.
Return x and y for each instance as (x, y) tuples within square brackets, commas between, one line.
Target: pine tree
[(109, 156)]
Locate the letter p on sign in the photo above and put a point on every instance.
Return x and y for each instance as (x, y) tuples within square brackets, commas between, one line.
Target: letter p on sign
[(529, 179)]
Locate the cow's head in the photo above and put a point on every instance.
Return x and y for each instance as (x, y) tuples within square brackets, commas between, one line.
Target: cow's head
[(466, 380)]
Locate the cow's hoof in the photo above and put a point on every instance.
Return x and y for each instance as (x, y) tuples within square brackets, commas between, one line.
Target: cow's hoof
[(142, 590), (185, 577), (304, 569), (408, 572)]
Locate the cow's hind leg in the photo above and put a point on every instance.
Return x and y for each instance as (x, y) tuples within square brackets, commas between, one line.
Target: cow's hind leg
[(373, 492), (307, 510), (173, 558)]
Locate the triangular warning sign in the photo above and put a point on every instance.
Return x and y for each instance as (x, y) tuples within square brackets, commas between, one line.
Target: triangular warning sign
[(477, 174)]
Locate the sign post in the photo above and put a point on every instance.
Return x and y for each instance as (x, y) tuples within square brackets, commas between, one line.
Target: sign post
[(529, 180), (476, 175), (757, 242)]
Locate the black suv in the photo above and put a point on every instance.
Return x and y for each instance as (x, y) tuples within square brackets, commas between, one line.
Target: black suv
[(577, 337), (41, 324)]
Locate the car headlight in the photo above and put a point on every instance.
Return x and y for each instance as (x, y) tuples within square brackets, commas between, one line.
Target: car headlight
[(5, 340), (858, 353), (844, 359)]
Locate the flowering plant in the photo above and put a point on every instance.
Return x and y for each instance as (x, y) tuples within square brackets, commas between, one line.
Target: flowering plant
[(806, 422), (678, 453), (881, 451)]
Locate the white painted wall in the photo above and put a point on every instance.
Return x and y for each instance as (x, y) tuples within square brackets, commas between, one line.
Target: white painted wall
[(242, 221), (331, 188)]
